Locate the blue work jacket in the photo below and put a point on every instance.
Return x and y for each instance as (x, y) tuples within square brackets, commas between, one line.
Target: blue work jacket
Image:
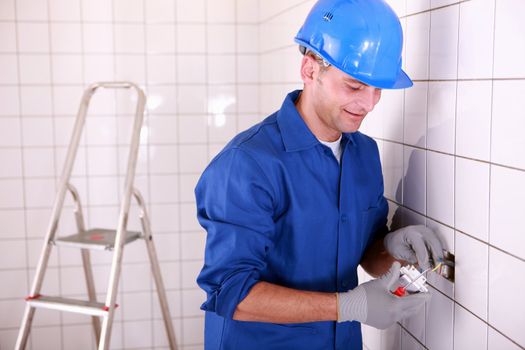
[(278, 207)]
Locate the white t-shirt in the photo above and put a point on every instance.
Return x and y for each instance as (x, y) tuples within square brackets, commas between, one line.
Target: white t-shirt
[(335, 146)]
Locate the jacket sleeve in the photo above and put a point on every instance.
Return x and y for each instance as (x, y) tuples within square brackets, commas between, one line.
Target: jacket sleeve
[(235, 207)]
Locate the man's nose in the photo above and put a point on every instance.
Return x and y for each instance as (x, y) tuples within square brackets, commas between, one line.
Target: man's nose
[(368, 98)]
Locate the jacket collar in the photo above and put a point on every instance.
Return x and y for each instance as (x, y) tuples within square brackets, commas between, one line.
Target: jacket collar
[(295, 133)]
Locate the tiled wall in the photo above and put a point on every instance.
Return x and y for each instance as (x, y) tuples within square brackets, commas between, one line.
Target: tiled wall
[(453, 152), (198, 62)]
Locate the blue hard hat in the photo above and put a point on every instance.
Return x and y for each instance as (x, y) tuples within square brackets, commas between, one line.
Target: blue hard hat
[(363, 38)]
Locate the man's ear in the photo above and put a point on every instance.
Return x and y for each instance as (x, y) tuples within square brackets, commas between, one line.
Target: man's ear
[(309, 69)]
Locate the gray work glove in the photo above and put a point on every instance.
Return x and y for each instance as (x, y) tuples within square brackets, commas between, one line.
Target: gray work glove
[(372, 302), (415, 243)]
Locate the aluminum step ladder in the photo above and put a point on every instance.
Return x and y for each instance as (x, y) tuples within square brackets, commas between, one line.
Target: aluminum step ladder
[(96, 238)]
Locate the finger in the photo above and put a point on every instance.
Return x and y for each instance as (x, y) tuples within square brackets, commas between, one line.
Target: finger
[(418, 245), (434, 244), (392, 275), (405, 313)]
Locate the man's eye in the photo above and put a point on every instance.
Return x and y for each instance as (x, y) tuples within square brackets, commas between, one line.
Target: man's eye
[(355, 87)]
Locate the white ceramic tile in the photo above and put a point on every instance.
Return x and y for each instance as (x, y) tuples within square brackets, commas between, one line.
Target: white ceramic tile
[(167, 246), (441, 116), (17, 285), (472, 198), (506, 209), (9, 130), (101, 131), (159, 11), (101, 161), (446, 236), (37, 221), (194, 244), (247, 69), (164, 189), (64, 10), (392, 110), (416, 325), (499, 342), (162, 69), (160, 38), (66, 100), (171, 275), (476, 30), (391, 338), (66, 37), (39, 162), (13, 223), (371, 337), (247, 11), (37, 131), (506, 304), (192, 99), (39, 192), (162, 99), (98, 37), (473, 119), (191, 10), (191, 69), (508, 123), (191, 38), (471, 274), (130, 68), (392, 156), (509, 53), (13, 255), (221, 100), (187, 187), (191, 302), (9, 103), (193, 330), (98, 68), (414, 6), (33, 37), (220, 12), (31, 10), (129, 38), (12, 312), (128, 10), (97, 10), (8, 69), (190, 271), (221, 69), (103, 191), (417, 49), (248, 105), (444, 43), (78, 336), (222, 127), (192, 158), (12, 158), (67, 69), (7, 11), (469, 331), (439, 322), (192, 129), (35, 100), (221, 38), (440, 187), (136, 306), (163, 129), (163, 160), (415, 122), (414, 180), (8, 33), (247, 38)]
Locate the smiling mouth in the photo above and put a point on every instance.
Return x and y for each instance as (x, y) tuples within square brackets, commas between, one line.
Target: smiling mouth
[(355, 115)]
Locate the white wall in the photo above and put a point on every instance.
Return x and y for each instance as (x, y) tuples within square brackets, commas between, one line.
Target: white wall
[(197, 61), (453, 155)]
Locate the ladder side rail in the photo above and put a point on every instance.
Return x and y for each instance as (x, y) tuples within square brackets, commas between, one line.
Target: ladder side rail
[(155, 269), (53, 223), (116, 264), (86, 258)]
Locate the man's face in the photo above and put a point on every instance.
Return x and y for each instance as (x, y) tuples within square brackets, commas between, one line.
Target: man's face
[(341, 102)]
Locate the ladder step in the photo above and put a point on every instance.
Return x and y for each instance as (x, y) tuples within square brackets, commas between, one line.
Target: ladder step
[(92, 308), (96, 239)]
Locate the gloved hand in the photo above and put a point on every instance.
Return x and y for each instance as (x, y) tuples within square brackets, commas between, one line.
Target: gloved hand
[(414, 244), (372, 302)]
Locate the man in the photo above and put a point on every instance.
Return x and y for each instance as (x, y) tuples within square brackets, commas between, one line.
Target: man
[(294, 204)]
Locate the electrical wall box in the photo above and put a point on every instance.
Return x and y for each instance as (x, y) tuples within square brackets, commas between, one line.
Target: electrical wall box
[(447, 268)]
